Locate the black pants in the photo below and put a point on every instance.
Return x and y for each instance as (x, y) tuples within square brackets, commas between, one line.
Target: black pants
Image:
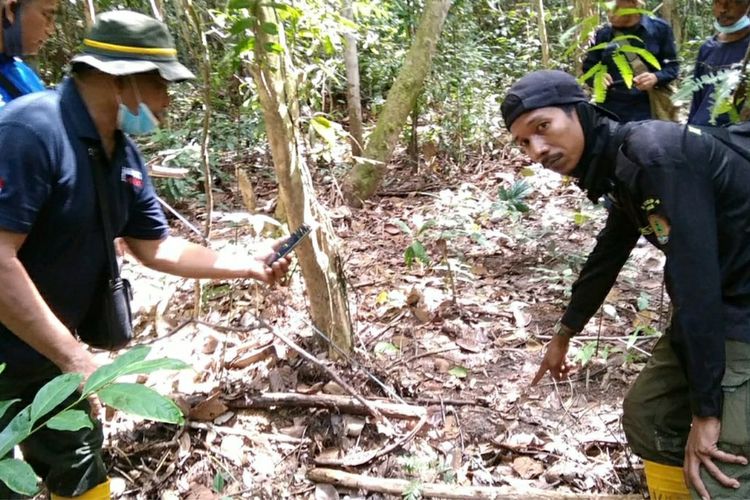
[(69, 463)]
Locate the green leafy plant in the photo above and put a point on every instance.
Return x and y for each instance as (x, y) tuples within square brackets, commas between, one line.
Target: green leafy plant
[(513, 197), (130, 398), (416, 251)]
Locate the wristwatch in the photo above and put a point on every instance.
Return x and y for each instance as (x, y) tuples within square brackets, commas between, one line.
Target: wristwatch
[(561, 330)]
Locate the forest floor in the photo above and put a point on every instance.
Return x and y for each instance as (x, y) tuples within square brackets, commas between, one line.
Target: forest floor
[(455, 342)]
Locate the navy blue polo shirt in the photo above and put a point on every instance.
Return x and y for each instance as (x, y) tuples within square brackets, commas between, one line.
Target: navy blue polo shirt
[(713, 56), (631, 104), (48, 195)]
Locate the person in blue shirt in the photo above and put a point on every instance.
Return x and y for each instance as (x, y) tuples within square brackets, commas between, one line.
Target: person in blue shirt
[(53, 257), (722, 51), (655, 35), (26, 26)]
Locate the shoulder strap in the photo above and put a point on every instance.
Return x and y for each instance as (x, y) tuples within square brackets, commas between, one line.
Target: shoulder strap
[(97, 167), (12, 90), (639, 67)]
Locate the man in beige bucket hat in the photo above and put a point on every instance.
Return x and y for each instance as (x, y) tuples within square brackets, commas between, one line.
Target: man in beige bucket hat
[(61, 149)]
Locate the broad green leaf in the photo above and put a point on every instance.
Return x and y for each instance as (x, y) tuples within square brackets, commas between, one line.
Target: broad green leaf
[(527, 172), (4, 405), (141, 401), (241, 4), (70, 420), (152, 365), (630, 11), (625, 70), (2, 367), (16, 431), (219, 482), (645, 55), (418, 252), (324, 128), (18, 476), (458, 371), (403, 226), (108, 373), (270, 28), (242, 25), (54, 393), (429, 224), (274, 48)]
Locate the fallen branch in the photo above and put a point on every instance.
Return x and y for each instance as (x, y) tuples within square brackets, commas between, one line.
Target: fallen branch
[(363, 457), (299, 350), (399, 486), (343, 404)]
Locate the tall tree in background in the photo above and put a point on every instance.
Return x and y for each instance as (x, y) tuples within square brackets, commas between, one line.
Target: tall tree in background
[(365, 177), (353, 98), (539, 4), (671, 14), (586, 15), (276, 81)]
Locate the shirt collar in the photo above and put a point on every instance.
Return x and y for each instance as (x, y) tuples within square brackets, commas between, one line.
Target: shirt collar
[(75, 109), (648, 24)]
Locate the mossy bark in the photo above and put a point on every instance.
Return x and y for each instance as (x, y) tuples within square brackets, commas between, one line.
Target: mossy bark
[(365, 177)]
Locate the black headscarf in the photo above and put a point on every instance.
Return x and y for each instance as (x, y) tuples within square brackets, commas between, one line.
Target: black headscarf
[(595, 170)]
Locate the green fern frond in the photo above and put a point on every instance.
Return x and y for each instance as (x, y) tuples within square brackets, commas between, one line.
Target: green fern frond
[(624, 67), (597, 68), (600, 91), (645, 55), (625, 38)]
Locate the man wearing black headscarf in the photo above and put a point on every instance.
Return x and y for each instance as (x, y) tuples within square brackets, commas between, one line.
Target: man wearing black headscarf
[(689, 195)]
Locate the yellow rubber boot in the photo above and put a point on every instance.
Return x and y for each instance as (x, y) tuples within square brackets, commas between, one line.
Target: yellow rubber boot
[(99, 492), (665, 482)]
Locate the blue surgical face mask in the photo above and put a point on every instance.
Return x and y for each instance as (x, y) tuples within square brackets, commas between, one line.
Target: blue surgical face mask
[(144, 122), (136, 124), (741, 24)]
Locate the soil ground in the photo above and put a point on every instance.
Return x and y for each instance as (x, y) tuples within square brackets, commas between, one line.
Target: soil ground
[(461, 336)]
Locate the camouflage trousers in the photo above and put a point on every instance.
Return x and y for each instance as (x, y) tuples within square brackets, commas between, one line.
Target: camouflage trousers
[(656, 414)]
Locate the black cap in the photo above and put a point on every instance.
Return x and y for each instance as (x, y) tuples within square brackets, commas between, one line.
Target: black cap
[(540, 89)]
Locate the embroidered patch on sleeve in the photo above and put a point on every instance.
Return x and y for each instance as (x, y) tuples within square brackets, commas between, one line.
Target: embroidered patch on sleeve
[(660, 225)]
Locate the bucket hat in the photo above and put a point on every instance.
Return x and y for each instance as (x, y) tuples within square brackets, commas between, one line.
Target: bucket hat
[(124, 42)]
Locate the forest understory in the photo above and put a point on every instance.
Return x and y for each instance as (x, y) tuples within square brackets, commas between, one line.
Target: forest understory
[(444, 354)]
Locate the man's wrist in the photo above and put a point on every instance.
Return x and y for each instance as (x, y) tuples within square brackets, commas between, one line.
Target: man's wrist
[(561, 330)]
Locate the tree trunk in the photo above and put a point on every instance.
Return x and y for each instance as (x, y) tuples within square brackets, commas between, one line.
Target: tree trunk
[(276, 81), (671, 14), (542, 33), (365, 177), (585, 15), (353, 97)]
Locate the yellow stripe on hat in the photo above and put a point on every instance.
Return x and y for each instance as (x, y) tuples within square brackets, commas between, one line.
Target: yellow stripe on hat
[(146, 51)]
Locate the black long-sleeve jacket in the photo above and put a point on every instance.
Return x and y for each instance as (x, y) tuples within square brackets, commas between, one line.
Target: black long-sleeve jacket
[(688, 194)]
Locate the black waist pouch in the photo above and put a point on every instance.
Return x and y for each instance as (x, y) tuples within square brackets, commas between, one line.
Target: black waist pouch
[(109, 322)]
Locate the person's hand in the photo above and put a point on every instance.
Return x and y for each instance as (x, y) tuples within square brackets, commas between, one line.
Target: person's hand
[(645, 81), (702, 449), (261, 270), (554, 360), (607, 80), (82, 361)]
